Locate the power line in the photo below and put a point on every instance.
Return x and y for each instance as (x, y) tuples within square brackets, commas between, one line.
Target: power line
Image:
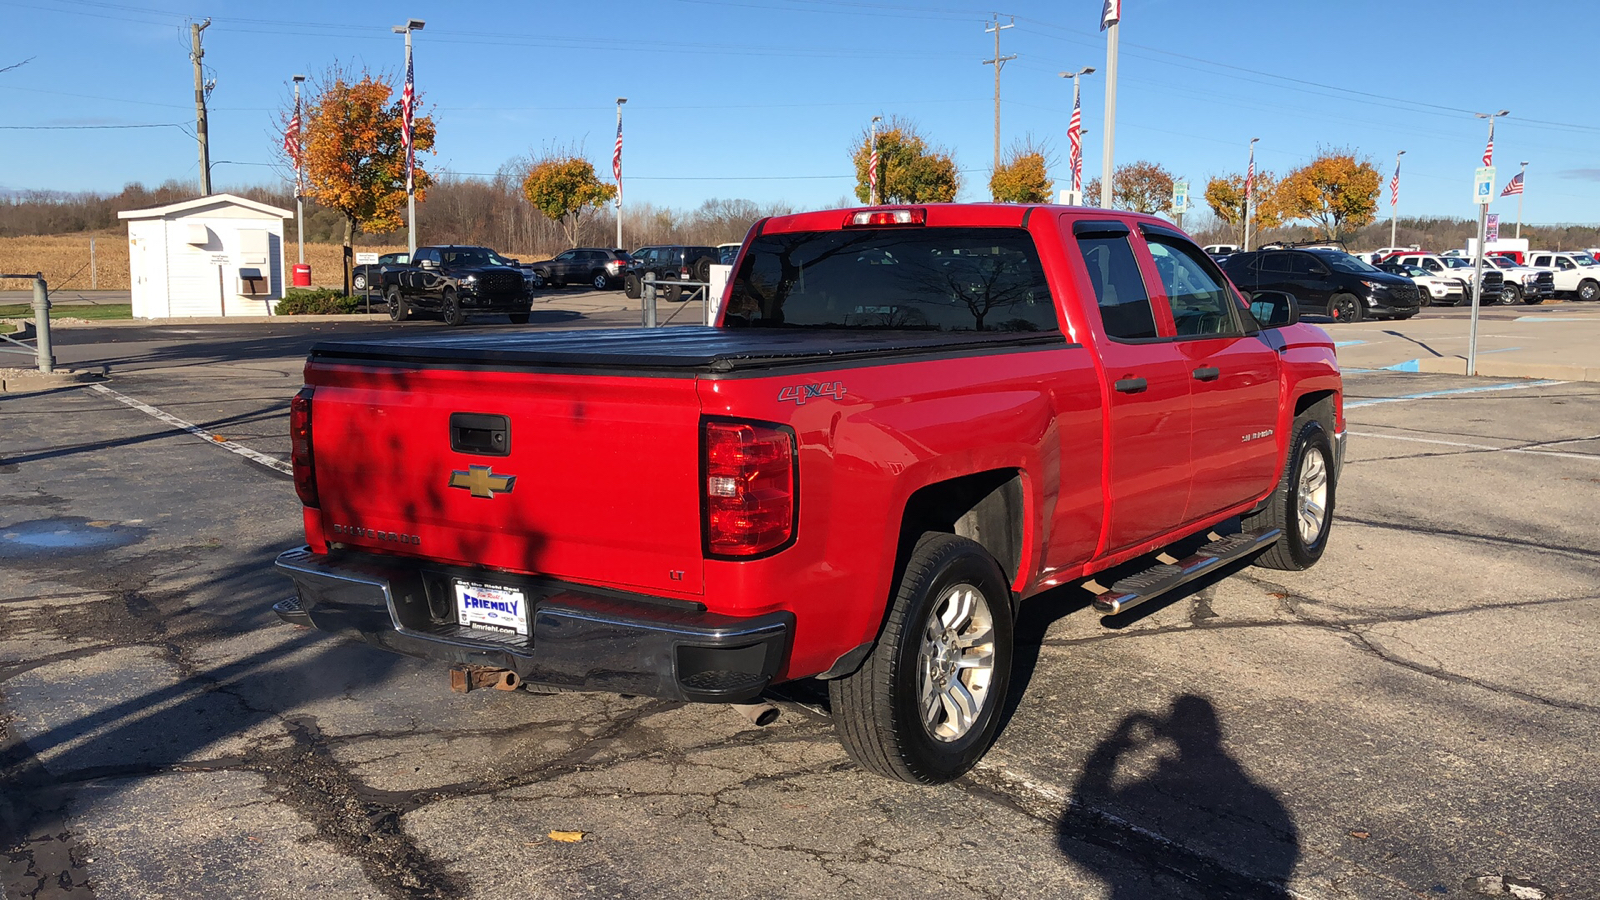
[(85, 127)]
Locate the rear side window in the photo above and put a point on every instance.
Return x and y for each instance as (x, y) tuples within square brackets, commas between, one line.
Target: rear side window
[(1118, 286), (921, 279), (1200, 305)]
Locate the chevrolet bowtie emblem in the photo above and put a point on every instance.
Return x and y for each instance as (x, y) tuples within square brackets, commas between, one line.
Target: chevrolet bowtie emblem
[(482, 481)]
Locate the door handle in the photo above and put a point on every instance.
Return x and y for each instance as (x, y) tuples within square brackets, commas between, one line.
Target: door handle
[(1130, 385), (1207, 373)]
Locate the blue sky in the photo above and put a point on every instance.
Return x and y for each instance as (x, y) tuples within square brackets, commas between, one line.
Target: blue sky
[(761, 99)]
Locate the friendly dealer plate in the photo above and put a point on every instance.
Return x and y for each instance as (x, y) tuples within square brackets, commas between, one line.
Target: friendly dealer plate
[(487, 606)]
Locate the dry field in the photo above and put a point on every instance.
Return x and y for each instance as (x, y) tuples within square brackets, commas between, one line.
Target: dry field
[(64, 260)]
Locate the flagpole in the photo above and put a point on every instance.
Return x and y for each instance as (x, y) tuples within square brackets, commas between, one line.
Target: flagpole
[(618, 165), (1394, 198), (872, 160), (300, 189), (1249, 192), (1524, 176), (1111, 107), (409, 126)]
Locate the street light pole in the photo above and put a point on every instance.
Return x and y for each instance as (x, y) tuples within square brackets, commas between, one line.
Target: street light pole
[(1249, 192), (616, 165), (299, 190), (1394, 197), (1524, 177), (411, 186), (1075, 135), (1477, 256)]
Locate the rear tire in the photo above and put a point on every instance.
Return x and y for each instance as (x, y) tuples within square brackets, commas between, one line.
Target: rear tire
[(1302, 504), (925, 705), (520, 318), (399, 309), (1589, 290), (450, 308), (631, 287), (1345, 308), (671, 293)]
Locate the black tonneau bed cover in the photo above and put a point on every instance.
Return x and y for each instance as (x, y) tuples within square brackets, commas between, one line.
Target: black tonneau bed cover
[(677, 349)]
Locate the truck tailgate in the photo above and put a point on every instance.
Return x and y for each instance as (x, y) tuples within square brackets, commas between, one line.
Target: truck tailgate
[(603, 467)]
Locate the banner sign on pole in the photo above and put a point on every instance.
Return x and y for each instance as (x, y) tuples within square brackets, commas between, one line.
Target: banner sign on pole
[(1493, 226)]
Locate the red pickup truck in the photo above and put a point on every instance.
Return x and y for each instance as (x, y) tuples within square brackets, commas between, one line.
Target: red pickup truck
[(907, 420)]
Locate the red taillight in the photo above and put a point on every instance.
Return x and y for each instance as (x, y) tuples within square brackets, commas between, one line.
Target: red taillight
[(749, 488), (865, 218), (305, 477)]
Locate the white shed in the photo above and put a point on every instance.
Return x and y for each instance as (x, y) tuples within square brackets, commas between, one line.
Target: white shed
[(219, 255)]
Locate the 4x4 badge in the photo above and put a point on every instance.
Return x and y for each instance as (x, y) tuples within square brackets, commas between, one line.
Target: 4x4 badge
[(482, 481)]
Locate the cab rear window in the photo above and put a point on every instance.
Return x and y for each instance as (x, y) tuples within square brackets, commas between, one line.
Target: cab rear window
[(917, 279)]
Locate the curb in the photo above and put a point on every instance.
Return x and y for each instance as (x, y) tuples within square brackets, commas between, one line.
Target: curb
[(1494, 368), (24, 381)]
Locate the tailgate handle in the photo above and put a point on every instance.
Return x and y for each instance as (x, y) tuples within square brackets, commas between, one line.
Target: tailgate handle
[(480, 433)]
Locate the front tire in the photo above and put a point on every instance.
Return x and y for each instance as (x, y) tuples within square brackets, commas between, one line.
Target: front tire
[(1302, 504), (631, 287), (450, 308), (1510, 295), (399, 309), (520, 318), (925, 705), (1345, 308), (537, 280)]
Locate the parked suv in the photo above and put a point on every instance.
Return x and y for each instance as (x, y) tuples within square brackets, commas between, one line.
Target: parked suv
[(600, 269), (1331, 281), (674, 262), (366, 274)]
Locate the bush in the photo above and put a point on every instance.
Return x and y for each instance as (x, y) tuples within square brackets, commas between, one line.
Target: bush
[(315, 302)]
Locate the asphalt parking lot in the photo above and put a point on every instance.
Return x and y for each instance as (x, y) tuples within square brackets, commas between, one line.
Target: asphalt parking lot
[(1417, 716)]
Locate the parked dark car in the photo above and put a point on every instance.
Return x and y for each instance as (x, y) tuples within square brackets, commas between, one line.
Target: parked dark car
[(1327, 281), (675, 262), (361, 276), (456, 281), (599, 268)]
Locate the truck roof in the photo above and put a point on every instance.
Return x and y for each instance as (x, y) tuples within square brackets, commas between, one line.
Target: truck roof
[(945, 215)]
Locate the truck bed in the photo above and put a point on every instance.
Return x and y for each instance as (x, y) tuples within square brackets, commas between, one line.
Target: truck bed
[(668, 350)]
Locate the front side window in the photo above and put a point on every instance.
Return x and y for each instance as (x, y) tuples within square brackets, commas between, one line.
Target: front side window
[(923, 279), (1201, 306), (1119, 289)]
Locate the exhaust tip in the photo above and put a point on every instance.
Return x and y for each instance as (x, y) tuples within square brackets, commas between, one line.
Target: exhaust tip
[(760, 713)]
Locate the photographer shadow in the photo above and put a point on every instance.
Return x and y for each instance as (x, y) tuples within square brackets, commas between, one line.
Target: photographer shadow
[(1162, 790)]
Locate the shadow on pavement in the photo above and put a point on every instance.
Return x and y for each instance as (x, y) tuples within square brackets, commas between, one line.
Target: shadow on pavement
[(1163, 789)]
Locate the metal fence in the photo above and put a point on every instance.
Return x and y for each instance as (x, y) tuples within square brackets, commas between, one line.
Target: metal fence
[(696, 290)]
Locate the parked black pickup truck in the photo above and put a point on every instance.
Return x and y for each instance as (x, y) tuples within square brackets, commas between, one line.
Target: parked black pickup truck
[(456, 281)]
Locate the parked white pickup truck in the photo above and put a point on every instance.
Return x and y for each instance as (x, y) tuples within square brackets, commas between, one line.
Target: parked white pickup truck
[(1530, 284), (1456, 267), (1576, 274)]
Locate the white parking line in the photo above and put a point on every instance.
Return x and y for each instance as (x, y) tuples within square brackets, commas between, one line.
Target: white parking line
[(1429, 395), (273, 463), (1462, 444)]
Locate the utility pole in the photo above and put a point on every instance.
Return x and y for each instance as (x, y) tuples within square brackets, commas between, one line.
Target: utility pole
[(999, 63), (1524, 177), (1394, 197), (200, 88)]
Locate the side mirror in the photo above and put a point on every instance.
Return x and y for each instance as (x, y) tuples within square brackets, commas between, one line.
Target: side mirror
[(428, 264), (1274, 309)]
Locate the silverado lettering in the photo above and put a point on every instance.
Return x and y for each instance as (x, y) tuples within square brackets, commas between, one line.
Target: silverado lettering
[(1039, 395)]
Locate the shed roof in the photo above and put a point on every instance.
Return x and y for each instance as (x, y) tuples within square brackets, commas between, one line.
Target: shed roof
[(199, 204)]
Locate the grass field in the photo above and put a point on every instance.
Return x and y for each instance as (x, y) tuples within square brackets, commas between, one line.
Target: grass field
[(64, 261), (75, 311)]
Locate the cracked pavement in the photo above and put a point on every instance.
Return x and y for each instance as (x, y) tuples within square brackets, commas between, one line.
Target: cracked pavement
[(1417, 712)]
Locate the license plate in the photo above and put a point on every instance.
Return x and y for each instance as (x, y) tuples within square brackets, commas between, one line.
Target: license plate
[(495, 608)]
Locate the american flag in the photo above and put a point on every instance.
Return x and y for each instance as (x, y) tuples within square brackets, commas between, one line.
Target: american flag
[(872, 172), (1250, 175), (1075, 145), (1488, 150), (408, 106), (1110, 14), (616, 160), (1514, 186), (291, 139), (1394, 186)]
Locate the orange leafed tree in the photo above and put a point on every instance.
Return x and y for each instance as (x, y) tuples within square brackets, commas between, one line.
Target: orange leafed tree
[(1336, 190), (1024, 177), (355, 161)]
